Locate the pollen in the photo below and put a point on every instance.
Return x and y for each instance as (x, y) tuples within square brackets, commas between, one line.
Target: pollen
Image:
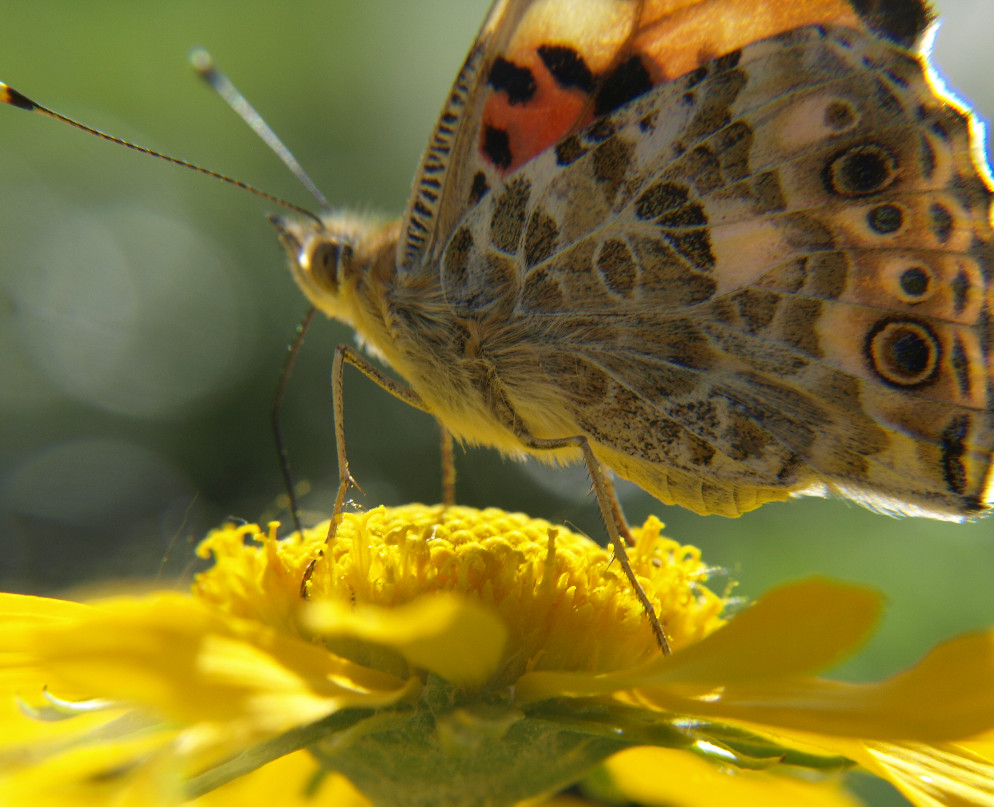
[(564, 604)]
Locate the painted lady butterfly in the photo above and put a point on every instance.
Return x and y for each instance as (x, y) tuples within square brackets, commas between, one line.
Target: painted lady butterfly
[(732, 250)]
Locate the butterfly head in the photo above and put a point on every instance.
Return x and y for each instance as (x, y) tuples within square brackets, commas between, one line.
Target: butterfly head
[(320, 257), (336, 258)]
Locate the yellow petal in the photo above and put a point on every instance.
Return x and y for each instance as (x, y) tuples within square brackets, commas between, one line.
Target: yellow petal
[(20, 611), (286, 782), (125, 773), (798, 628), (949, 695), (180, 659), (663, 776), (25, 608), (929, 776), (450, 635), (18, 730)]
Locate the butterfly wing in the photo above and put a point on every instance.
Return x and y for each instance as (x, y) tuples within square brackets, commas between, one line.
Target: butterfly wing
[(540, 70), (441, 177), (770, 275)]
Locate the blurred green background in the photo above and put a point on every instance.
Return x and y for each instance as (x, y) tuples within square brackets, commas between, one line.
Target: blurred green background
[(144, 311)]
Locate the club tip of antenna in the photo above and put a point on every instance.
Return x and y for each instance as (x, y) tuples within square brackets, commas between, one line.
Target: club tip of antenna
[(201, 61), (8, 95)]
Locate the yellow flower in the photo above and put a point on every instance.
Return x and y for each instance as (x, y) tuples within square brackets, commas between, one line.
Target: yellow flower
[(455, 656)]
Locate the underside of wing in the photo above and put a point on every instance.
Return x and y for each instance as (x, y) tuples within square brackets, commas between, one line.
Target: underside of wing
[(542, 70), (770, 275)]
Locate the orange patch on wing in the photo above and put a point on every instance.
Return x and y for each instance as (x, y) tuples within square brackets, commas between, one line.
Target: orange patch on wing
[(537, 124), (672, 38), (681, 35)]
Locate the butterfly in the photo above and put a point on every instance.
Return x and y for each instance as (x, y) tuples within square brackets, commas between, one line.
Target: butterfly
[(734, 251)]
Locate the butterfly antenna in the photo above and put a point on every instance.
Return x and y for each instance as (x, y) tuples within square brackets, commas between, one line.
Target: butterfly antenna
[(203, 63), (8, 95)]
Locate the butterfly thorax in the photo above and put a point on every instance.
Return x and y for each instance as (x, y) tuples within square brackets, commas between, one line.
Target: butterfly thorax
[(347, 267)]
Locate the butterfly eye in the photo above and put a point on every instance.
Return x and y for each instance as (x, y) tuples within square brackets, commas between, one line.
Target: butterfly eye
[(322, 263)]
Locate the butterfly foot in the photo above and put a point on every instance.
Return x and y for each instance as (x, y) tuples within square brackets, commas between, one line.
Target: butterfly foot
[(308, 574), (346, 482)]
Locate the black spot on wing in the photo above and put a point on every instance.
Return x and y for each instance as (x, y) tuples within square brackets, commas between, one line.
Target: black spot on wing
[(479, 187), (728, 61), (902, 21), (904, 353), (517, 82), (660, 198), (567, 67), (961, 288), (570, 150), (497, 146), (885, 219), (961, 367), (953, 449), (628, 80), (696, 76), (859, 170), (941, 221), (600, 130), (457, 255), (914, 281)]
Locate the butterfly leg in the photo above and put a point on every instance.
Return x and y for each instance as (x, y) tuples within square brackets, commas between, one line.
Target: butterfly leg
[(614, 520), (348, 355), (448, 468), (619, 516), (293, 350)]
